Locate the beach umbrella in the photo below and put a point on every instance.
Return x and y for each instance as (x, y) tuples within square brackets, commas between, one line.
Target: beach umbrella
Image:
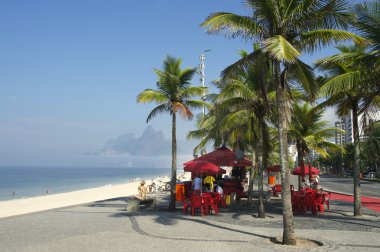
[(273, 168), (202, 168), (298, 170), (223, 157)]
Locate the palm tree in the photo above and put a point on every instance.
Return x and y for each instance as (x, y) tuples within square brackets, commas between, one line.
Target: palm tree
[(286, 28), (309, 132), (173, 95), (247, 87), (371, 146), (359, 83), (349, 99), (368, 26)]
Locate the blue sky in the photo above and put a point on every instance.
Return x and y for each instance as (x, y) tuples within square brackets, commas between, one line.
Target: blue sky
[(70, 70)]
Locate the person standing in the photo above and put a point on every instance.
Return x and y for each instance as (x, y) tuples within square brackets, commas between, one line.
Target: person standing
[(142, 190), (209, 182), (197, 183), (219, 189)]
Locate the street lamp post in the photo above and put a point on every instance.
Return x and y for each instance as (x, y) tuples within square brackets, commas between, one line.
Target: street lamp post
[(202, 74)]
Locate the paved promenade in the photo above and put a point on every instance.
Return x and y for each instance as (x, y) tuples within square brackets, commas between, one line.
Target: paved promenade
[(107, 226)]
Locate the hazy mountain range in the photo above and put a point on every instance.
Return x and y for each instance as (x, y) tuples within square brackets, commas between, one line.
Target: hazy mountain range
[(150, 143)]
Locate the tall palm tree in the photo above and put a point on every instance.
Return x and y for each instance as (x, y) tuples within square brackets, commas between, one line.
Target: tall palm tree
[(310, 133), (286, 28), (173, 95), (371, 146), (368, 26), (359, 84), (248, 88), (349, 99)]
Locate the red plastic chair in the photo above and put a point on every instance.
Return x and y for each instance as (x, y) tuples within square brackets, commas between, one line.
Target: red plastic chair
[(221, 200), (186, 204), (214, 205), (298, 203), (327, 200), (196, 203), (206, 203), (326, 197), (319, 202), (276, 190), (309, 202)]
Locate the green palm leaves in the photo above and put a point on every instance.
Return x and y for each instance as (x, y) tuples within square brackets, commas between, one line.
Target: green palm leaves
[(309, 131), (174, 93), (284, 29)]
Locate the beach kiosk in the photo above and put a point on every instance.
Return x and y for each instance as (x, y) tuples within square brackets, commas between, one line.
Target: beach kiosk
[(225, 157)]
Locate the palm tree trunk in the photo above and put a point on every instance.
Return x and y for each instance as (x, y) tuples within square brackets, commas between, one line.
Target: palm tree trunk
[(174, 165), (265, 155), (252, 170), (289, 237), (357, 190), (300, 164), (251, 179)]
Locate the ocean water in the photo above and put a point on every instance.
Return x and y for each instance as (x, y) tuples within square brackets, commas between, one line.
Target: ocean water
[(23, 182)]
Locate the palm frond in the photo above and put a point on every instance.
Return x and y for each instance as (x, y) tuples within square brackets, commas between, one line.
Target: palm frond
[(241, 65), (280, 49), (192, 92), (182, 109), (341, 83), (304, 75), (186, 75), (315, 39), (339, 60), (231, 24), (236, 89), (197, 104), (150, 95), (157, 110)]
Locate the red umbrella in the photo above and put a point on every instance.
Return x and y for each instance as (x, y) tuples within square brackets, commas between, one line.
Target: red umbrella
[(298, 170), (223, 157), (274, 168), (203, 168)]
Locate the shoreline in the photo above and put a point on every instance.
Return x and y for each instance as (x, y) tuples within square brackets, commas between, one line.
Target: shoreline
[(40, 203), (26, 182), (52, 201), (49, 192)]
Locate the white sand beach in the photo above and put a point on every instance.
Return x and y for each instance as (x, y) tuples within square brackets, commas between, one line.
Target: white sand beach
[(51, 201), (46, 202)]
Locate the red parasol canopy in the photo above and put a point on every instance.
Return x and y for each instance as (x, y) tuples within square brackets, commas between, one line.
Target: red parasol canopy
[(298, 170), (274, 168), (223, 157), (203, 168)]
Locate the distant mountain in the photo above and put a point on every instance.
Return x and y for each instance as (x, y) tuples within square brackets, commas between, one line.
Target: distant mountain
[(150, 143)]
